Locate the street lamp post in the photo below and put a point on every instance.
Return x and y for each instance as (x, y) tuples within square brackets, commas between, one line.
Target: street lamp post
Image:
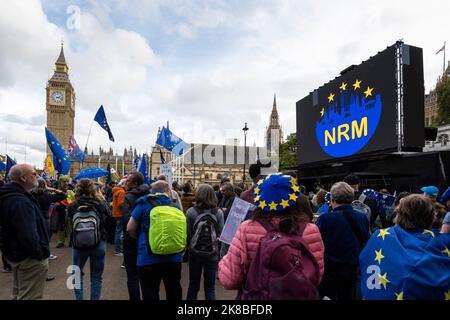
[(245, 129)]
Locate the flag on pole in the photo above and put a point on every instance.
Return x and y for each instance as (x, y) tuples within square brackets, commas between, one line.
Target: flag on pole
[(143, 168), (100, 117), (49, 167), (441, 49), (114, 175), (61, 159), (75, 151), (171, 142), (9, 163), (162, 157)]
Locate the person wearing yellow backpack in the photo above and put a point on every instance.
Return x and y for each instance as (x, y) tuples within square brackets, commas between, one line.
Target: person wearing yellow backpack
[(161, 231)]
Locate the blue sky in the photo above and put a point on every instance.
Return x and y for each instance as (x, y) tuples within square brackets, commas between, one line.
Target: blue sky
[(206, 66)]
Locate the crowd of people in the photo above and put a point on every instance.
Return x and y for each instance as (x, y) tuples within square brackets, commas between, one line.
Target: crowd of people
[(289, 245)]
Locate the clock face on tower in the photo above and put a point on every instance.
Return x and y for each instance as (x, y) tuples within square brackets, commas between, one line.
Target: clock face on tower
[(57, 96)]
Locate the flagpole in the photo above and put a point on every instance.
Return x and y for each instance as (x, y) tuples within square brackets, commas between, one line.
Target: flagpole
[(89, 134), (443, 69)]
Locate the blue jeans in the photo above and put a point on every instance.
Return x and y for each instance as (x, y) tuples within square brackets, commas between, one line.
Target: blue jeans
[(196, 264), (97, 263), (118, 236)]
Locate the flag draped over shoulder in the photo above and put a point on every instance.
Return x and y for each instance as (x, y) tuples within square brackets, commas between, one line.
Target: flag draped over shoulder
[(100, 117), (406, 265), (171, 142), (75, 151), (143, 168), (61, 159)]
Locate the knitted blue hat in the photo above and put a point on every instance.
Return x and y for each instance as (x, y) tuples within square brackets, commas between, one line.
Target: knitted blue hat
[(276, 192)]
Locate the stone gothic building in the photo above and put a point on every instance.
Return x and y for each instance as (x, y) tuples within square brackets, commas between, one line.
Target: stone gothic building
[(431, 105), (215, 162), (273, 131), (60, 105)]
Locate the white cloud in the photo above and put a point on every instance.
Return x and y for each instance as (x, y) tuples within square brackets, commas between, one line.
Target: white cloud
[(258, 48)]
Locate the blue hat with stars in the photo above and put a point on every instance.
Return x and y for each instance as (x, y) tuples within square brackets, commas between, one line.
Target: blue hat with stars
[(276, 192)]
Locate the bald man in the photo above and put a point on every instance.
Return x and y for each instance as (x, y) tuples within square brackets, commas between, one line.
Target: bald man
[(25, 241), (173, 195)]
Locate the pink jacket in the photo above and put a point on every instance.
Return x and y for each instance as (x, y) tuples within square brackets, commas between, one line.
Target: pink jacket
[(235, 264)]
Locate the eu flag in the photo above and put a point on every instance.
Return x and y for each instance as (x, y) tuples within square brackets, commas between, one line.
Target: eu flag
[(171, 142), (100, 117), (143, 168), (397, 264), (9, 163), (61, 159)]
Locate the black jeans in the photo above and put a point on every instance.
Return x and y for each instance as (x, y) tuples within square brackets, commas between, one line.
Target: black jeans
[(339, 281), (129, 248), (150, 279)]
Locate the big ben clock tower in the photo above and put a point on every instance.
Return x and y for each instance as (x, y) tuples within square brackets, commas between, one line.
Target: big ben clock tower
[(60, 103)]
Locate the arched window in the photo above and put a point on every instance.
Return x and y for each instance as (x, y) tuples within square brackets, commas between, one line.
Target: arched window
[(443, 139), (219, 176), (206, 176)]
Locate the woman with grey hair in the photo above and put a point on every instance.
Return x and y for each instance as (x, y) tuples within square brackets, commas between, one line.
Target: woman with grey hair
[(344, 232), (204, 225)]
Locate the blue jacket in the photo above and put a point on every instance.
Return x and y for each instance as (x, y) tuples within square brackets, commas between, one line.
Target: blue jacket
[(141, 214), (340, 242)]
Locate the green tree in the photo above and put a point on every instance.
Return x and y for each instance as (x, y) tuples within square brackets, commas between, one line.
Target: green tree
[(443, 101), (288, 152)]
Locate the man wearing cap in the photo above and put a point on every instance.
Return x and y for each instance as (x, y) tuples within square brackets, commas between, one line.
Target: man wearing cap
[(255, 174), (440, 210)]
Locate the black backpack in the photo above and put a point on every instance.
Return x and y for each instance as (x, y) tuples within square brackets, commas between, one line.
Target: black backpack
[(86, 228), (204, 240)]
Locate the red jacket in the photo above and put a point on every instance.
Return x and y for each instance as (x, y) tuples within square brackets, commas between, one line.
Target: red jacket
[(234, 265)]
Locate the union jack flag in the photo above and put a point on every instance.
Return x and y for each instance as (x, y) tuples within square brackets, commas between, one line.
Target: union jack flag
[(75, 151)]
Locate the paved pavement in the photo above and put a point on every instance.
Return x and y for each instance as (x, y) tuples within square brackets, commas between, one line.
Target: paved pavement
[(114, 287)]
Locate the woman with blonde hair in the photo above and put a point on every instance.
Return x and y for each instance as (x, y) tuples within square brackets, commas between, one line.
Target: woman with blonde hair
[(88, 199)]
